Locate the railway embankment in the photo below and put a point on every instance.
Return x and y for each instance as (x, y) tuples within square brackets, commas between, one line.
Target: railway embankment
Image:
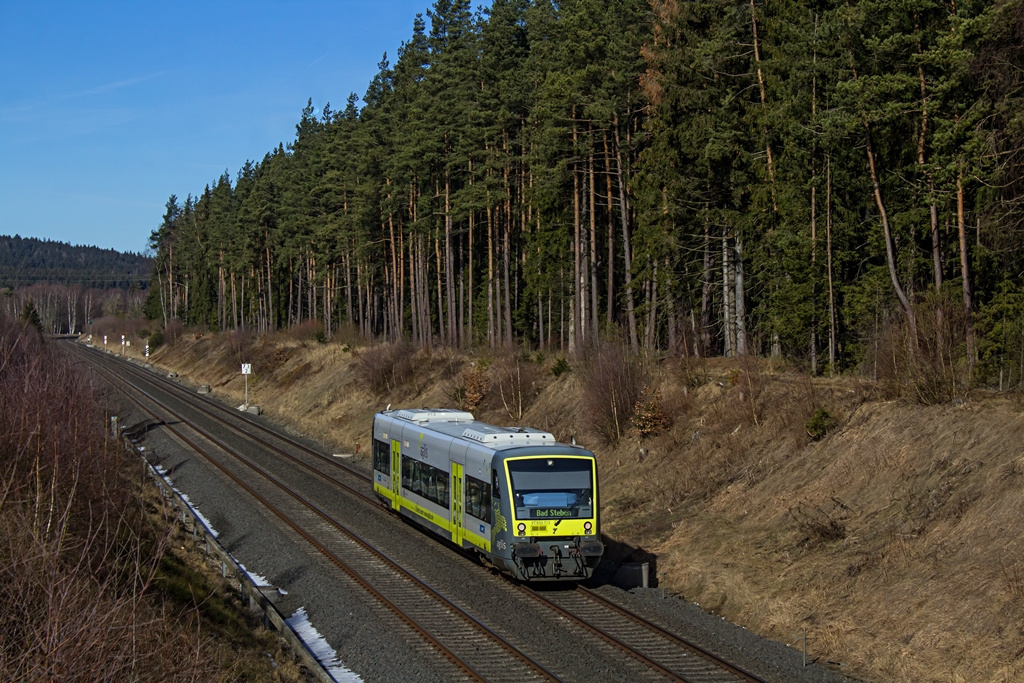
[(886, 533)]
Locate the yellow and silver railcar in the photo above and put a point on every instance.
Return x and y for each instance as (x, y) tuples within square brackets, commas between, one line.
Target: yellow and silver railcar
[(526, 503)]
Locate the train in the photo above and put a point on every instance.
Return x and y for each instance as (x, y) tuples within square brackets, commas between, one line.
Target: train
[(524, 503)]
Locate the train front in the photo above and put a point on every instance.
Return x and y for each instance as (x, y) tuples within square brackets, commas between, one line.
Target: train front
[(553, 527)]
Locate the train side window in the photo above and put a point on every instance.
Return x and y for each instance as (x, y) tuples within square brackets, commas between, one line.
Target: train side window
[(381, 457), (478, 497), (419, 484), (495, 488), (425, 480), (442, 489), (407, 472)]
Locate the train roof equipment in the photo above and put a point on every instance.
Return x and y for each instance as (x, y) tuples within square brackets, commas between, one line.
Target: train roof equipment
[(463, 425)]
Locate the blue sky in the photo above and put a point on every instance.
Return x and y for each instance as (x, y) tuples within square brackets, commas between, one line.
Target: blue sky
[(108, 108)]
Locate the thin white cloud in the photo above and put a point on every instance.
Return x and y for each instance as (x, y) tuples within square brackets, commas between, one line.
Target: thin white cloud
[(18, 112), (116, 85)]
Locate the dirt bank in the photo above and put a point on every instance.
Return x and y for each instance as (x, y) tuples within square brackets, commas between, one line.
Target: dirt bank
[(894, 539)]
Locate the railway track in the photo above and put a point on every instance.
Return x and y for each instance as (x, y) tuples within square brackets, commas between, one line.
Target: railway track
[(660, 649), (653, 652), (478, 651)]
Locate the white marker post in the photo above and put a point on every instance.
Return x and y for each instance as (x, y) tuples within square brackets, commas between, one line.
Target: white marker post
[(246, 371), (122, 344)]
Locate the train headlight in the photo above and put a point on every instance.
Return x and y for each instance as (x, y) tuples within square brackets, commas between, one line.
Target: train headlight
[(588, 527), (521, 528)]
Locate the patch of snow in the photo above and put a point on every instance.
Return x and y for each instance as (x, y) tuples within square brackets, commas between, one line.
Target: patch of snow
[(197, 513), (163, 473), (324, 653), (256, 578)]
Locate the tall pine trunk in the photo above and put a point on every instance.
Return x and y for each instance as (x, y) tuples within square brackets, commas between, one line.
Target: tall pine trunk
[(833, 341), (964, 272), (707, 278), (890, 250), (626, 239), (574, 310), (610, 288), (593, 248)]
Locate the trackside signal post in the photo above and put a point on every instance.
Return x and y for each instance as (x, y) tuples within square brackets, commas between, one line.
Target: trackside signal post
[(246, 371)]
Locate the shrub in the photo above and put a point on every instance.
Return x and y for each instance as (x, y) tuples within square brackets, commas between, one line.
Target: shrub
[(469, 389), (76, 548), (240, 344), (515, 379), (931, 368), (449, 361), (940, 365), (173, 331), (820, 423), (385, 367), (649, 417), (560, 367), (613, 380), (347, 334), (307, 330)]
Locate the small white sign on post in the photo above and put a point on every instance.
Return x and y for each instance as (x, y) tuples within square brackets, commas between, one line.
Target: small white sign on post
[(246, 371)]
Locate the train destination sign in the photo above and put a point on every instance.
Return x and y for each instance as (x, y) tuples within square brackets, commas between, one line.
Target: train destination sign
[(552, 513)]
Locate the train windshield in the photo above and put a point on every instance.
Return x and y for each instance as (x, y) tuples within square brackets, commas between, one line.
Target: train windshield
[(552, 487)]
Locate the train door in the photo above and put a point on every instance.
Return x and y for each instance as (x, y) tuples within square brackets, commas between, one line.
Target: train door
[(457, 489), (396, 473)]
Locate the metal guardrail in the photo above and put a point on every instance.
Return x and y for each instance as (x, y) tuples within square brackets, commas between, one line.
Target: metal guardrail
[(258, 601)]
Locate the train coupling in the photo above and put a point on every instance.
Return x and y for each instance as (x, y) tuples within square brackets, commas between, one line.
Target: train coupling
[(556, 566)]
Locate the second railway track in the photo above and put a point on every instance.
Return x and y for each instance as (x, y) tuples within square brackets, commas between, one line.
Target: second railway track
[(474, 648), (654, 653)]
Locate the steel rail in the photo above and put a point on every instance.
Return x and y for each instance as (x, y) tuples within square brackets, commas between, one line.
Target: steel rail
[(434, 642), (682, 642), (679, 641)]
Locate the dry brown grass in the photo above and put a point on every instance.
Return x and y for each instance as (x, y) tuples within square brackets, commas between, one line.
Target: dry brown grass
[(895, 539), (924, 511)]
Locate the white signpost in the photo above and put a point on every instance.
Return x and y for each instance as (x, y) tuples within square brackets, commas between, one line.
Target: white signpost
[(246, 371)]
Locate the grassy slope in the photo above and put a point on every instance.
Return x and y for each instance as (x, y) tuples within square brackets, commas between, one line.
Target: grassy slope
[(894, 541)]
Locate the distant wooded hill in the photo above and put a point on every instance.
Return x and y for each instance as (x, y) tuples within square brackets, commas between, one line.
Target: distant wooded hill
[(25, 261)]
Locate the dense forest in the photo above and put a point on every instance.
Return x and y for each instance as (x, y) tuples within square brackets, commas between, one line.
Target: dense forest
[(833, 183), (27, 261), (64, 287)]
